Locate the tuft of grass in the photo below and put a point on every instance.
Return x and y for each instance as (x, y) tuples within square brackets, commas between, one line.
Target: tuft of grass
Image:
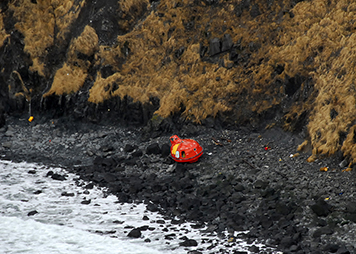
[(67, 80), (3, 34), (37, 22), (162, 55), (71, 77)]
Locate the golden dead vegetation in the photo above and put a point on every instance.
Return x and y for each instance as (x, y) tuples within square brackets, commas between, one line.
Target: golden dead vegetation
[(71, 77), (163, 58), (37, 22), (3, 34), (68, 79)]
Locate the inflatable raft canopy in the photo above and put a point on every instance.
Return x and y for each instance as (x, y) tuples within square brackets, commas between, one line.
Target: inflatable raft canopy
[(185, 150)]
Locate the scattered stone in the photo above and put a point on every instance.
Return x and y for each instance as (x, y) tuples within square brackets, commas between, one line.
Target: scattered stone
[(32, 213), (9, 133), (66, 194), (89, 186), (153, 149), (323, 231), (214, 47), (170, 236), (321, 208), (137, 153), (58, 177), (107, 148), (226, 42), (189, 243), (238, 186), (254, 249), (49, 173), (135, 233), (165, 150), (7, 145), (86, 202), (129, 148)]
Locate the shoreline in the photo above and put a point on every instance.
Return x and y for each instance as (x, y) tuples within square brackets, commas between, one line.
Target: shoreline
[(240, 185)]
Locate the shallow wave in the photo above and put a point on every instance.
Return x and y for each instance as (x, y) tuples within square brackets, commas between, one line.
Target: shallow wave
[(29, 236)]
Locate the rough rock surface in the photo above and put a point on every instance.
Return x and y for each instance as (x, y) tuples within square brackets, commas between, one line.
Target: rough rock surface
[(245, 180)]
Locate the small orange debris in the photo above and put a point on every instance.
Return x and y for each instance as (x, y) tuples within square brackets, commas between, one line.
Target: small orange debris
[(30, 119), (347, 170), (267, 148), (324, 169)]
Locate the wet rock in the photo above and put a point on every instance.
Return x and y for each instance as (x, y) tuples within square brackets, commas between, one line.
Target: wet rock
[(89, 186), (86, 202), (66, 194), (135, 233), (254, 249), (58, 177), (189, 243), (32, 213)]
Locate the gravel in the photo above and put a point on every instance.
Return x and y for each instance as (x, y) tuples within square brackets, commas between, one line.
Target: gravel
[(245, 180)]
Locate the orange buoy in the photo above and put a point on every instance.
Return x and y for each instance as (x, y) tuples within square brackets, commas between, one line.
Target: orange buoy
[(185, 150)]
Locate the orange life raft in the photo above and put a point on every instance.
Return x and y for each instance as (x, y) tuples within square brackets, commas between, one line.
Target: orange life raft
[(185, 150)]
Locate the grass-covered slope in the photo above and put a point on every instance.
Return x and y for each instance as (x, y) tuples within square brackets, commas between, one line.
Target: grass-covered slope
[(289, 60)]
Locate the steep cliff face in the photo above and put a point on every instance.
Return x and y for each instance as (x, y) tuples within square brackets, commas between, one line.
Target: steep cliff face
[(244, 62)]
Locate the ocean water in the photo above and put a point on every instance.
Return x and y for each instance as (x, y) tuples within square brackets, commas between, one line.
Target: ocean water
[(41, 215)]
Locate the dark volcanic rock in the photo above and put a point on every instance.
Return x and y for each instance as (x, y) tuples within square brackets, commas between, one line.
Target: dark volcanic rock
[(2, 117), (166, 150), (153, 149), (189, 243), (135, 233), (32, 213), (226, 42), (236, 186), (321, 208), (215, 47)]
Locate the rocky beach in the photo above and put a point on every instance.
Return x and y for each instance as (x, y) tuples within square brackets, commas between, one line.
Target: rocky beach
[(265, 87), (253, 181)]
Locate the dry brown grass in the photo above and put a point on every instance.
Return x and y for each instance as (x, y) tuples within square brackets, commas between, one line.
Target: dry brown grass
[(37, 23), (70, 78), (315, 39), (3, 34)]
